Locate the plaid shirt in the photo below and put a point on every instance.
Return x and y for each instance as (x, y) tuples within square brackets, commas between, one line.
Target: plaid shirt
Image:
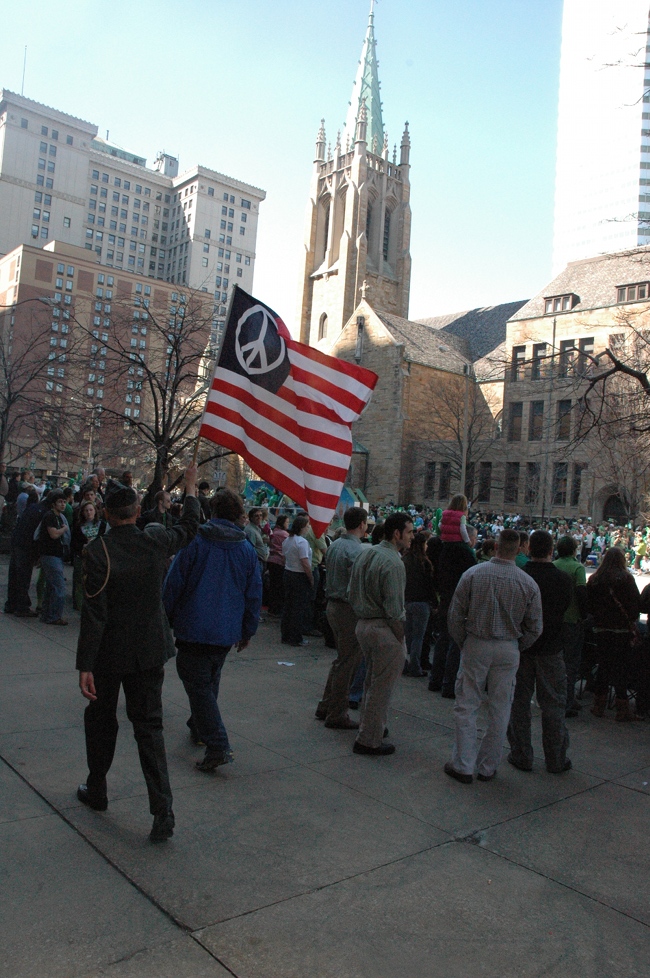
[(496, 600)]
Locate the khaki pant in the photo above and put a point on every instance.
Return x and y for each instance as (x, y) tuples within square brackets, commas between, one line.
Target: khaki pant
[(343, 622), (385, 657)]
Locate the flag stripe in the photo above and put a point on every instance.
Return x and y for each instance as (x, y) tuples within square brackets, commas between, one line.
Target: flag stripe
[(298, 437)]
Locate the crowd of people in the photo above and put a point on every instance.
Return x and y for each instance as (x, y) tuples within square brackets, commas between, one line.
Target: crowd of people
[(483, 608)]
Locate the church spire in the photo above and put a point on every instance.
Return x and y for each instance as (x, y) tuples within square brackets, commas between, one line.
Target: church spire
[(366, 87)]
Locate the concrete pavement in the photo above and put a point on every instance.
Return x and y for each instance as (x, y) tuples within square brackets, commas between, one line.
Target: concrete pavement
[(302, 860)]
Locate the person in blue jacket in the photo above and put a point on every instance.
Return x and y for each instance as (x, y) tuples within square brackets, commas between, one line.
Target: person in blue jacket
[(213, 598)]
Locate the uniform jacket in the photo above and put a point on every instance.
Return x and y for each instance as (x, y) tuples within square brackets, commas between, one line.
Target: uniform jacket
[(124, 628)]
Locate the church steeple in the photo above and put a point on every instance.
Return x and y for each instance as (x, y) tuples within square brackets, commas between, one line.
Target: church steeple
[(366, 87)]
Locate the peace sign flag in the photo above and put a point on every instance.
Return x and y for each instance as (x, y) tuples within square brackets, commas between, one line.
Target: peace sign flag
[(286, 408)]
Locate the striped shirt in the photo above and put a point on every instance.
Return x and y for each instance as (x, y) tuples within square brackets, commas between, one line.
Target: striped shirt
[(496, 600)]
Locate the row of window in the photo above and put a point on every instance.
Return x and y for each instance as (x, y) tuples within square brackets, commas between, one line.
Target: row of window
[(562, 431), (24, 124), (574, 359), (126, 184), (560, 494)]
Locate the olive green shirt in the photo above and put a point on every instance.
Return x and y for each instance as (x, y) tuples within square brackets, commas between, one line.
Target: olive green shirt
[(377, 583)]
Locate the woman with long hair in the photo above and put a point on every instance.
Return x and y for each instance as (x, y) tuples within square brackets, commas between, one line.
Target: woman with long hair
[(613, 600), (298, 581), (419, 597), (86, 525)]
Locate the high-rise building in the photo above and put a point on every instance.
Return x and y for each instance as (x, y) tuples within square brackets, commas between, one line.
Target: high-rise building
[(60, 180), (358, 226), (602, 192)]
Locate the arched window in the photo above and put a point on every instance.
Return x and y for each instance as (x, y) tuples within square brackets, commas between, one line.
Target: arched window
[(386, 235), (322, 327), (368, 222), (327, 229)]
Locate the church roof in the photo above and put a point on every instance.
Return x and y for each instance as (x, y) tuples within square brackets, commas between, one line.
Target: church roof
[(593, 281), (483, 329), (366, 87), (425, 345)]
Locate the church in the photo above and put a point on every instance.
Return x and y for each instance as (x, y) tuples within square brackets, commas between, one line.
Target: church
[(436, 377)]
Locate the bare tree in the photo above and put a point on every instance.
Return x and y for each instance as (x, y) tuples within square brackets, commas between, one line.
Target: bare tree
[(28, 378), (153, 368)]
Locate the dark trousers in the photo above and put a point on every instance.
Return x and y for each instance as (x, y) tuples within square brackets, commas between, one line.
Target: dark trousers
[(21, 565), (297, 604), (614, 663), (276, 596), (446, 660), (547, 673), (199, 669), (143, 693), (572, 641)]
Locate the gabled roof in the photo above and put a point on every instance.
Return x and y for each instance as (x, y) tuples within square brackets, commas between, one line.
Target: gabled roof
[(483, 329), (366, 87), (593, 280), (425, 345)]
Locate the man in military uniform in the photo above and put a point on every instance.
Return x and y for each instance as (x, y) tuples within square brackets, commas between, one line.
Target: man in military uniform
[(125, 640)]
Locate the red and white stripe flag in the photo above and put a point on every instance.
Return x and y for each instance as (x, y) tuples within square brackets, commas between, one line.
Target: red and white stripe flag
[(286, 408)]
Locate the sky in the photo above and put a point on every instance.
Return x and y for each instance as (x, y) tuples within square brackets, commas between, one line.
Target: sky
[(241, 87)]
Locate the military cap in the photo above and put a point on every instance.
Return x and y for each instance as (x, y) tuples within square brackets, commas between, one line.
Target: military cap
[(118, 496)]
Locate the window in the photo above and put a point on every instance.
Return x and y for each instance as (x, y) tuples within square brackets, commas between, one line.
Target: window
[(43, 148), (563, 420), (240, 273), (566, 357), (68, 140), (560, 303), (52, 151), (515, 420), (210, 191), (66, 222), (511, 487), (484, 482), (536, 421), (532, 483), (560, 477), (429, 478), (43, 130), (633, 293), (243, 218), (322, 325), (242, 231), (518, 361), (23, 123), (539, 352), (586, 352), (247, 260), (576, 485), (246, 204), (445, 480)]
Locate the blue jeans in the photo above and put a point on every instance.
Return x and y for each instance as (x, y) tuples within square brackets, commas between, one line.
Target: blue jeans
[(199, 669), (417, 618), (54, 600)]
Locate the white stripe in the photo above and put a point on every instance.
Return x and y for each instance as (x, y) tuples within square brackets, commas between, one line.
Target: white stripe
[(303, 418), (346, 414), (307, 480), (332, 375), (294, 442)]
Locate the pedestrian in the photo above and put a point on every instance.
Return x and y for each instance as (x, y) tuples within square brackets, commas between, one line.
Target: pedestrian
[(419, 598), (496, 611), (86, 525), (275, 565), (541, 666), (125, 640), (339, 561), (24, 554), (453, 560), (51, 533), (613, 601), (376, 594), (572, 626), (212, 596), (298, 582)]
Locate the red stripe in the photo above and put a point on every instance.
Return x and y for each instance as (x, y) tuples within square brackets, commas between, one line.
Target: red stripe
[(319, 383), (323, 470), (274, 476), (360, 374), (312, 436)]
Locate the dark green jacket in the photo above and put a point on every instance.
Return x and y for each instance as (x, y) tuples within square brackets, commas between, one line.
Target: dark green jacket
[(124, 627)]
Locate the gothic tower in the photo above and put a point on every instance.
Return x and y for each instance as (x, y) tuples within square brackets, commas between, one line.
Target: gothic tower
[(358, 225)]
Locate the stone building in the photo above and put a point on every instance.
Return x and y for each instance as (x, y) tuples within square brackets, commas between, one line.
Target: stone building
[(555, 344), (358, 225)]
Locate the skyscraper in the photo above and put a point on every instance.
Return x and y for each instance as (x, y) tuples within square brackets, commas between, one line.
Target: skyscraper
[(602, 191), (359, 217)]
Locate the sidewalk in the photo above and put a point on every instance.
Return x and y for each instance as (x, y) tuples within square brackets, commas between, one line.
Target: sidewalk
[(302, 860)]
